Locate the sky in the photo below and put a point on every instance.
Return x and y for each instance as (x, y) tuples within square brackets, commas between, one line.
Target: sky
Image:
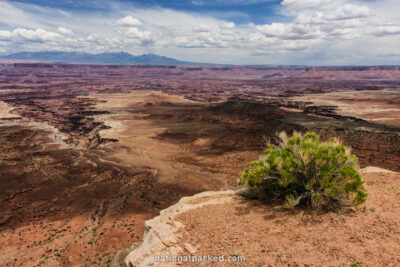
[(242, 32)]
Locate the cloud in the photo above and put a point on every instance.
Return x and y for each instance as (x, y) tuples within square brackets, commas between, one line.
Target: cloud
[(128, 21), (65, 31), (228, 2), (21, 34), (302, 4), (227, 25), (5, 36), (382, 31), (303, 32), (350, 11), (274, 29), (345, 22), (201, 28), (288, 31), (135, 33), (341, 34), (38, 35)]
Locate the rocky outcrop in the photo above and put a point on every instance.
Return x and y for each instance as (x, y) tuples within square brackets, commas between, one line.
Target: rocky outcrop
[(224, 224), (161, 233)]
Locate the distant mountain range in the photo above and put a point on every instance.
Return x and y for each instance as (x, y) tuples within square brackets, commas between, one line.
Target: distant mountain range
[(120, 58)]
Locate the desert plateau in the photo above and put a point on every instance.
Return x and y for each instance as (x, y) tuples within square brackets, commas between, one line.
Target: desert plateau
[(88, 153), (251, 133)]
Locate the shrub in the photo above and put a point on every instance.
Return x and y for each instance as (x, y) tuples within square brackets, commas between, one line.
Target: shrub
[(304, 170)]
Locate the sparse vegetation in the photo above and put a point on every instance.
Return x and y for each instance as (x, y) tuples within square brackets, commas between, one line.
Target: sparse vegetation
[(302, 169), (391, 188), (357, 264), (372, 209)]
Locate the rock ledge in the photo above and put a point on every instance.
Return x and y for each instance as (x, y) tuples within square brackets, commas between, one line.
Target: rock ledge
[(161, 232)]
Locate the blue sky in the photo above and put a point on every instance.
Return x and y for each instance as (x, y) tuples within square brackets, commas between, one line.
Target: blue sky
[(239, 11), (312, 32)]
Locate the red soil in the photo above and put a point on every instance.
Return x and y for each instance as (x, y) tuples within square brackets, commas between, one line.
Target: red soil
[(70, 194), (270, 235)]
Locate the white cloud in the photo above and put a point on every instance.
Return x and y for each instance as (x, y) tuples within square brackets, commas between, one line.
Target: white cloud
[(128, 21), (288, 31), (341, 33), (38, 35), (227, 25), (65, 31), (21, 34), (5, 35), (227, 2), (135, 33), (301, 4), (201, 28), (350, 11), (382, 30), (313, 32), (274, 29)]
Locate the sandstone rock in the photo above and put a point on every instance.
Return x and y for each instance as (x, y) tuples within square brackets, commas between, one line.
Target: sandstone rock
[(371, 169), (247, 193), (161, 232), (119, 258)]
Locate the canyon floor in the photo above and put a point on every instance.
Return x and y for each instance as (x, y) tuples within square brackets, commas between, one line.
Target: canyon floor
[(89, 153)]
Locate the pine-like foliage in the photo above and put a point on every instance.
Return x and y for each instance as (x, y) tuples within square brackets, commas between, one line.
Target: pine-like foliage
[(302, 169)]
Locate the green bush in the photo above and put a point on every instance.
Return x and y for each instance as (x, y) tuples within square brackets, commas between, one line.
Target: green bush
[(304, 170)]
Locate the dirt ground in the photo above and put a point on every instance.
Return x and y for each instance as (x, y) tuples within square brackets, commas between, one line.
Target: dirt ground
[(74, 191), (5, 111), (381, 106), (61, 205), (179, 162), (269, 235), (69, 205)]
